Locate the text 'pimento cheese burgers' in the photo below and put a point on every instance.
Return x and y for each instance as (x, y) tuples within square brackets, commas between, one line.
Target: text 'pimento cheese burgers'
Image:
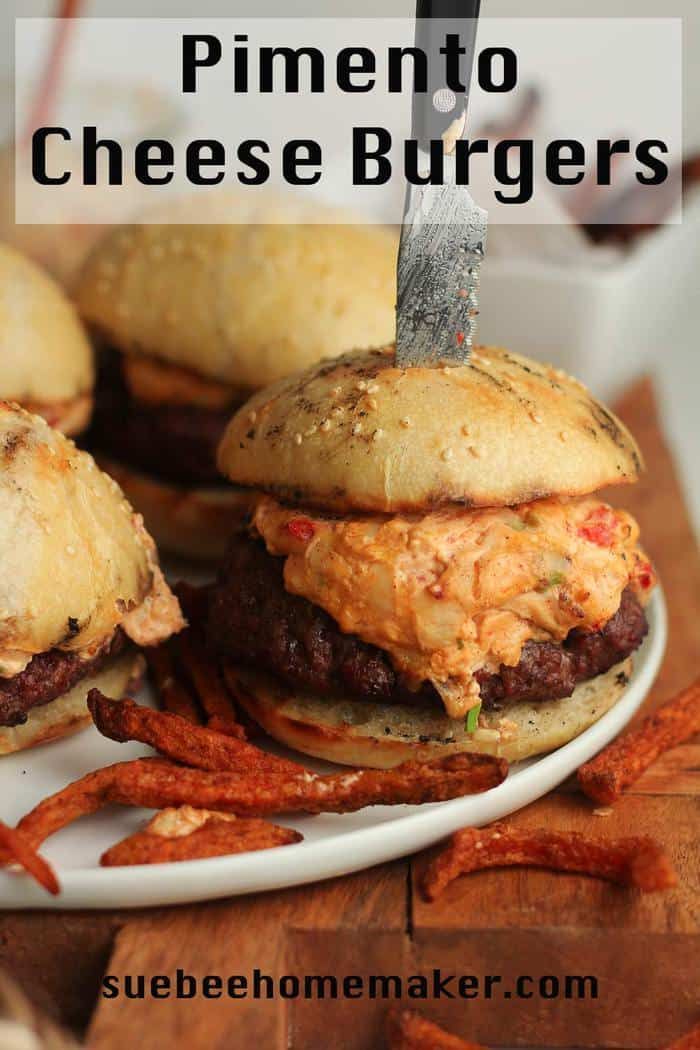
[(429, 568), (80, 585)]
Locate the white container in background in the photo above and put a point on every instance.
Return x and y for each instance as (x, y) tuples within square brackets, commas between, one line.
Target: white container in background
[(604, 326)]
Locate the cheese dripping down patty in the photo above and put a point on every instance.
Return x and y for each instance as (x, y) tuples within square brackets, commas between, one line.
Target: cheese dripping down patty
[(456, 591)]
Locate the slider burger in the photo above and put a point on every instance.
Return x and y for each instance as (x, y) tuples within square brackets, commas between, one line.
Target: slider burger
[(429, 569), (45, 356), (198, 317), (80, 586)]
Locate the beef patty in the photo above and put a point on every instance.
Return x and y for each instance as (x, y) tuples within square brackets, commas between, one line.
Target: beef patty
[(252, 619), (176, 443), (48, 676)]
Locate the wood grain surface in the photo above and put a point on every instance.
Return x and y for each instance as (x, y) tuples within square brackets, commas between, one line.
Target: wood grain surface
[(644, 951)]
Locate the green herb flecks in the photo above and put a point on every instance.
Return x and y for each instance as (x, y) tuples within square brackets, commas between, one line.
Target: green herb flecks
[(472, 719)]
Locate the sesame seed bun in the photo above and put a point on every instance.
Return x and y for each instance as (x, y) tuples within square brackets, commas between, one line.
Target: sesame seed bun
[(194, 523), (73, 557), (360, 434), (45, 356), (69, 713), (241, 304), (361, 733)]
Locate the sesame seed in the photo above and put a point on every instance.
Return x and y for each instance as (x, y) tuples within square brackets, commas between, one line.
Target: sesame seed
[(562, 435), (252, 416), (474, 452), (373, 389), (446, 454), (326, 425), (311, 431), (405, 422), (70, 550), (357, 429), (298, 439), (361, 385), (379, 433), (337, 411), (372, 403), (465, 430), (337, 391), (535, 417)]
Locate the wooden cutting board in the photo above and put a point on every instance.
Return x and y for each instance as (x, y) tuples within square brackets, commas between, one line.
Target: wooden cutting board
[(644, 952)]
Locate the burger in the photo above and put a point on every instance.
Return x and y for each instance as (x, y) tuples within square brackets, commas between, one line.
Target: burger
[(429, 568), (45, 357), (194, 319), (80, 586)]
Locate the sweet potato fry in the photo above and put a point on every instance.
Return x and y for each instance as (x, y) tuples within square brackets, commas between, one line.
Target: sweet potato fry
[(689, 1041), (172, 696), (408, 1030), (156, 783), (178, 739), (78, 799), (638, 862), (216, 701), (606, 776), (191, 834), (16, 848)]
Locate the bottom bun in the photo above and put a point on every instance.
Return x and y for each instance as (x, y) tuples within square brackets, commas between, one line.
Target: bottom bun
[(193, 523), (362, 733), (68, 713)]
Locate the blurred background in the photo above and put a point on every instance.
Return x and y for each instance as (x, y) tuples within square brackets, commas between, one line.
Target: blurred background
[(605, 326)]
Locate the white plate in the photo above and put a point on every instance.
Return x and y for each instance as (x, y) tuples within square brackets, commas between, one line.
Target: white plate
[(333, 844)]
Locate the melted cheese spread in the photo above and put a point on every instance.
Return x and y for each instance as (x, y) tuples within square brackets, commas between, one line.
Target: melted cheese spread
[(456, 591)]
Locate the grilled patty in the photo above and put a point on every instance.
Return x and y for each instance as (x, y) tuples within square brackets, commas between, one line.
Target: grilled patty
[(48, 676), (253, 620), (175, 443)]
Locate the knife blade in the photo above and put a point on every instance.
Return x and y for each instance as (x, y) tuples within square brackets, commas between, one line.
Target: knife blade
[(443, 234)]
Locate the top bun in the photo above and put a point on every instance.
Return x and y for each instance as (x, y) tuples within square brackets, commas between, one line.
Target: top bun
[(242, 304), (73, 558), (45, 356), (358, 433)]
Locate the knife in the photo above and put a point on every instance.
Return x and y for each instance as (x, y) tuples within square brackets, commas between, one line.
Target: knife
[(443, 236)]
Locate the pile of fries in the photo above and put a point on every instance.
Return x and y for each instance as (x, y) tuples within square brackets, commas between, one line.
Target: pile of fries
[(214, 788)]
